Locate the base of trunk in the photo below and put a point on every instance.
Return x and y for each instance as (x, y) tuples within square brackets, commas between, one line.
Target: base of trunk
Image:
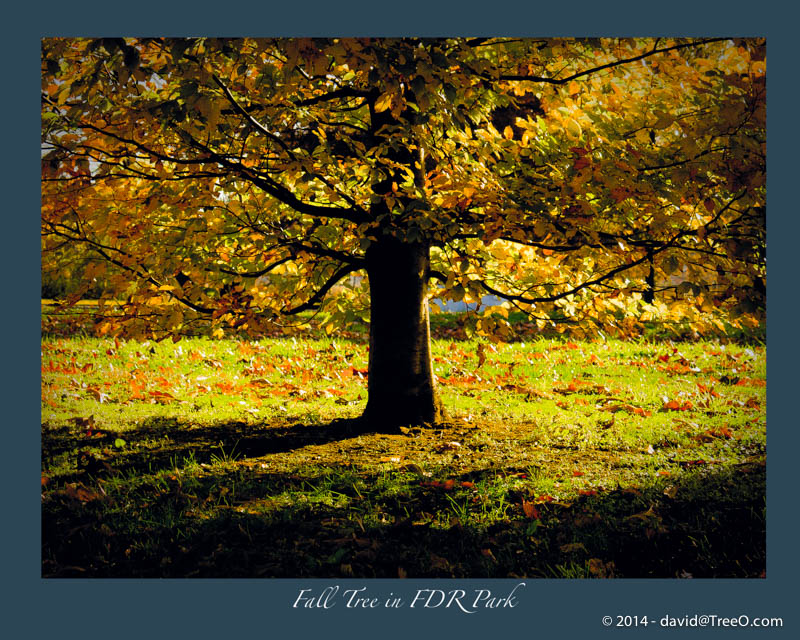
[(388, 417)]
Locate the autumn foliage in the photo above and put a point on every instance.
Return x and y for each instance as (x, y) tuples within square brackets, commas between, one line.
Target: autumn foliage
[(589, 183), (583, 181)]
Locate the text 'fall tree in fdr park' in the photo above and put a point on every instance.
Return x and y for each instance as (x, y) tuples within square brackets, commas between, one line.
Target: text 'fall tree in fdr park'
[(590, 183)]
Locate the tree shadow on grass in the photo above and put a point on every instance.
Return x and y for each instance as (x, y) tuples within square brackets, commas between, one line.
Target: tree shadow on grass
[(160, 443), (340, 522)]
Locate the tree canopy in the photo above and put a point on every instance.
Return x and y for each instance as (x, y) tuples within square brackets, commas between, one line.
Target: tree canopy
[(596, 182)]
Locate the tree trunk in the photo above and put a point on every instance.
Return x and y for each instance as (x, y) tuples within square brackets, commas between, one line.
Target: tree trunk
[(401, 387)]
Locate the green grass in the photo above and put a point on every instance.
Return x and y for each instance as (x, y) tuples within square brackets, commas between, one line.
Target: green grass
[(560, 459)]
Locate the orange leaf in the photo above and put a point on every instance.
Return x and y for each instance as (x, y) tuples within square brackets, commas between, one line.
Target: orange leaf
[(675, 405), (530, 510), (162, 397)]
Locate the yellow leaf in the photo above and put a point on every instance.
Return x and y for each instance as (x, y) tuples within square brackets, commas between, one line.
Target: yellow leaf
[(383, 102), (573, 129), (508, 133), (643, 136), (573, 88)]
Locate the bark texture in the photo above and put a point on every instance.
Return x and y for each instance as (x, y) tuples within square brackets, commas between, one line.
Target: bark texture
[(401, 388)]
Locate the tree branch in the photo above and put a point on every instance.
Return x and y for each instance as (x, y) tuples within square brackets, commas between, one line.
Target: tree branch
[(616, 63), (243, 112), (345, 92), (314, 301)]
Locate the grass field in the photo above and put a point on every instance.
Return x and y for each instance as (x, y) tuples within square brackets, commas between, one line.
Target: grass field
[(561, 459)]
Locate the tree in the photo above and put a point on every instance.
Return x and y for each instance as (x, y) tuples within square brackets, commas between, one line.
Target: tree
[(596, 182)]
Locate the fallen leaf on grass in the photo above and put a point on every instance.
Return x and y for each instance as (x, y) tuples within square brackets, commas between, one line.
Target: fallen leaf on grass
[(751, 382), (97, 394), (530, 510), (704, 389), (628, 408), (644, 515), (671, 491), (81, 493), (572, 547), (488, 554), (162, 397), (677, 405), (601, 569), (437, 562), (711, 434)]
